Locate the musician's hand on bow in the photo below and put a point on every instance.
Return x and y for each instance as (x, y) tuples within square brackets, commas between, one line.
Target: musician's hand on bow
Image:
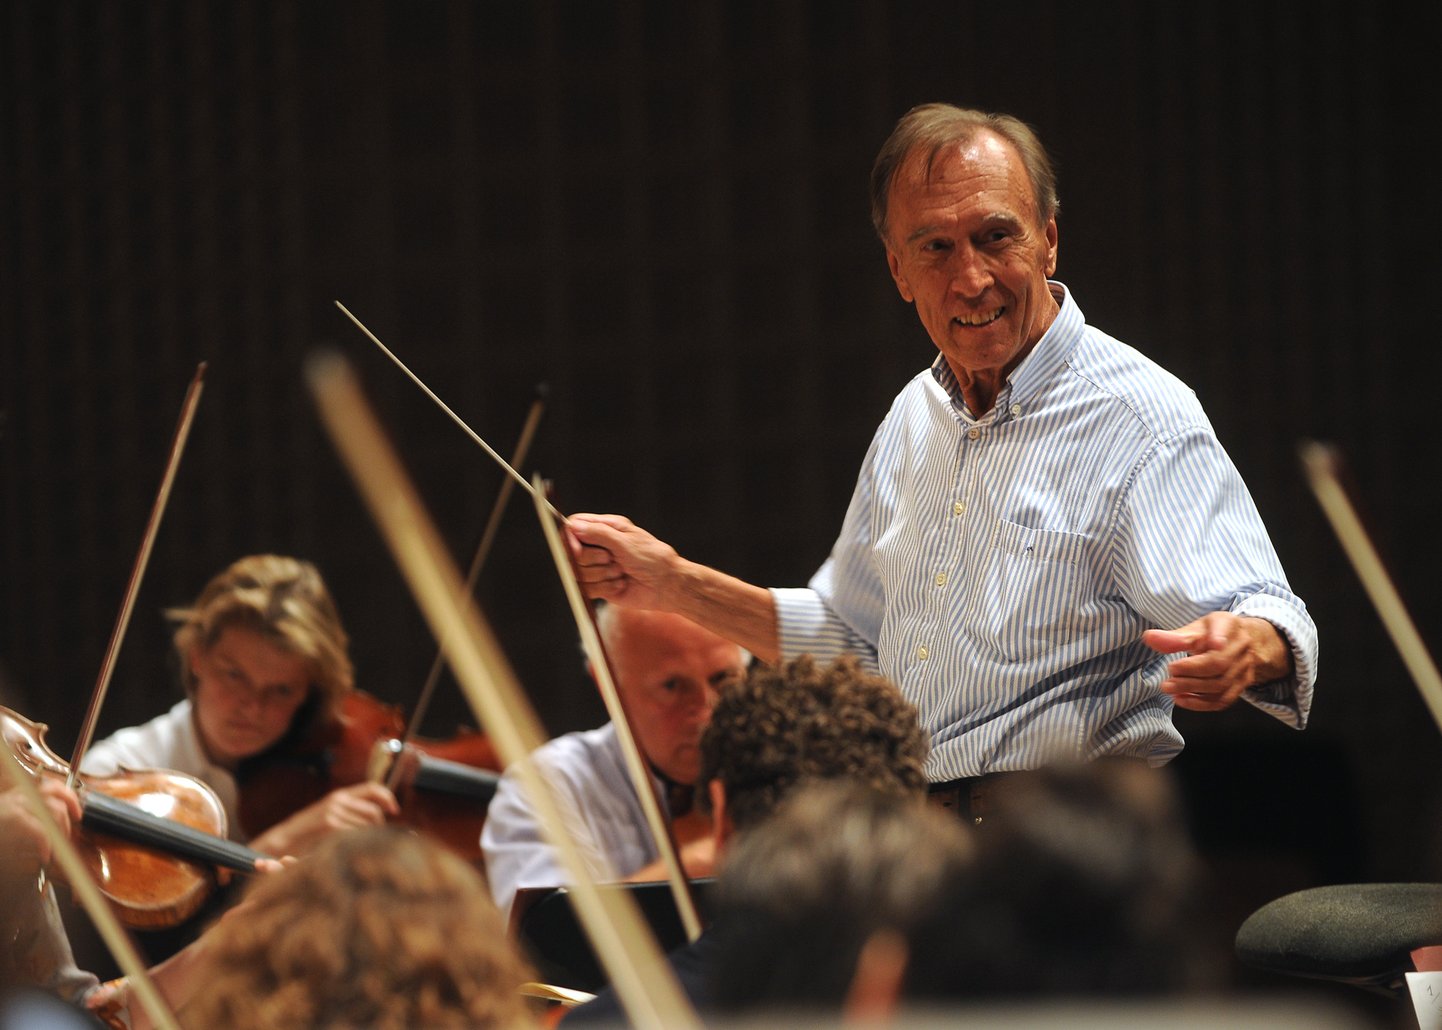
[(1225, 654), (346, 808), (27, 846), (618, 561), (267, 866), (698, 859)]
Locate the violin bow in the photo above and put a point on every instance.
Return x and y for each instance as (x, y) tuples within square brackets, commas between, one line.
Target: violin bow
[(483, 550), (1321, 462), (641, 779), (644, 984), (585, 621), (137, 573), (476, 437), (89, 896)]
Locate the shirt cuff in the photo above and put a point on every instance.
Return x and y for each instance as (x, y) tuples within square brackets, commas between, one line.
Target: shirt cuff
[(1289, 699), (806, 624), (802, 620)]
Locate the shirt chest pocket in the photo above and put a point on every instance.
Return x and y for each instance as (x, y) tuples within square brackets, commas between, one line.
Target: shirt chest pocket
[(1031, 590)]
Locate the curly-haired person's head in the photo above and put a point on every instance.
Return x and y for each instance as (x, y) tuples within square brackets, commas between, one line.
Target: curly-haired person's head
[(376, 928), (803, 721)]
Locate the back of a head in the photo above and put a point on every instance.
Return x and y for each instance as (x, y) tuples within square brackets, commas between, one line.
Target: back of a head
[(782, 726), (1085, 884), (803, 892), (374, 928)]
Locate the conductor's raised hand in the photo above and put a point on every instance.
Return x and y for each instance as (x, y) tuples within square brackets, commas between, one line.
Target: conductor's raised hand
[(1226, 654), (618, 561)]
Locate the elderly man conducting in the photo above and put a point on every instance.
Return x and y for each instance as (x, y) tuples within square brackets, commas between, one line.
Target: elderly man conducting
[(667, 671), (1047, 547)]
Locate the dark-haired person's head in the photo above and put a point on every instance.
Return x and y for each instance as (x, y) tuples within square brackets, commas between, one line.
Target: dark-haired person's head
[(804, 720), (1085, 883), (789, 731), (838, 868), (817, 774)]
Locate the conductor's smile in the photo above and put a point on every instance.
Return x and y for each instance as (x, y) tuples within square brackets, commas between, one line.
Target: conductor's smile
[(982, 318)]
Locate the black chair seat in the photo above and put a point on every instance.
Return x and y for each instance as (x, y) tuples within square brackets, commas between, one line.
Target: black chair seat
[(1361, 934)]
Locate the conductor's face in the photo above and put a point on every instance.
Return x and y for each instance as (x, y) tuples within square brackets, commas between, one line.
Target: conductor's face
[(965, 243)]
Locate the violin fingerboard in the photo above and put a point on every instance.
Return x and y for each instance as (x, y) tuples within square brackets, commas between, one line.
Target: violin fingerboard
[(105, 814)]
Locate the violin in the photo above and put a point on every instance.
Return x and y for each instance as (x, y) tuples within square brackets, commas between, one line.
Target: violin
[(442, 786), (151, 838)]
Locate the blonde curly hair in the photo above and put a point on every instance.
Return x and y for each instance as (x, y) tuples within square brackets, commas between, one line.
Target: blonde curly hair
[(377, 928)]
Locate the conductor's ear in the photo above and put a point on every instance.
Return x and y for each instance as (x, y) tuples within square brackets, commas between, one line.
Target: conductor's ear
[(893, 262)]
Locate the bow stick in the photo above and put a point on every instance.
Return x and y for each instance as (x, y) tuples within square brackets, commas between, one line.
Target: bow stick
[(137, 573), (483, 550), (505, 465), (115, 938), (644, 983), (641, 780), (1320, 463)]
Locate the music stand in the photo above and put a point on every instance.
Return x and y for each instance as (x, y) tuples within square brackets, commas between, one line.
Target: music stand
[(544, 924)]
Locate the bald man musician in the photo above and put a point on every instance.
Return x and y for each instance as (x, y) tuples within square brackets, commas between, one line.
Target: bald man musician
[(771, 735), (667, 671)]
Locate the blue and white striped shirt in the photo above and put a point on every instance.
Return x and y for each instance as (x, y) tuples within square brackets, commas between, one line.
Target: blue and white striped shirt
[(1000, 570)]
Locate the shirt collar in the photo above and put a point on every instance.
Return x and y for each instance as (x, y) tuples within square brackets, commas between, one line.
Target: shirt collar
[(1026, 381)]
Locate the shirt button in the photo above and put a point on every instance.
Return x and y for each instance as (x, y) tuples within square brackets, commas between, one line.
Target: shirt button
[(941, 579), (974, 434), (959, 508), (923, 653), (1016, 409)]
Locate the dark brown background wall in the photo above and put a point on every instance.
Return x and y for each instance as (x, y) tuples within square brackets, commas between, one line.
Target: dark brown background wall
[(659, 210)]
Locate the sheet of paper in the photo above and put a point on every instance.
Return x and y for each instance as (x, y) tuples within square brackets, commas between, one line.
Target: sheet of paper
[(1426, 991)]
